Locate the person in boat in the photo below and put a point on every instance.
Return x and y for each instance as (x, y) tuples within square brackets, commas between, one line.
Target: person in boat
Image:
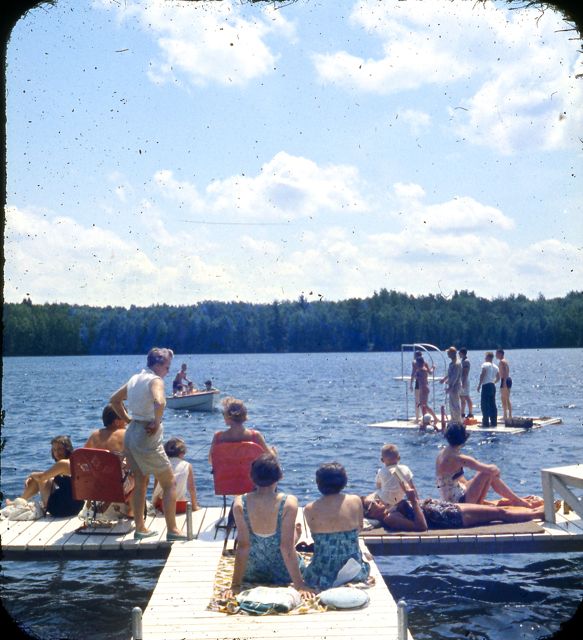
[(412, 514), (266, 532), (489, 376), (54, 485), (175, 449), (466, 402), (453, 486), (453, 380), (334, 521), (421, 374), (505, 384), (144, 393), (235, 416), (181, 382), (111, 438)]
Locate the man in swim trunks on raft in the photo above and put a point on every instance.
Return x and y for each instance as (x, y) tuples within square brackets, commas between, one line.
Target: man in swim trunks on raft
[(505, 384), (454, 487)]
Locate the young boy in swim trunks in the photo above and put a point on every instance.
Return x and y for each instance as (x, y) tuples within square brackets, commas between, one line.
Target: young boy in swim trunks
[(388, 487)]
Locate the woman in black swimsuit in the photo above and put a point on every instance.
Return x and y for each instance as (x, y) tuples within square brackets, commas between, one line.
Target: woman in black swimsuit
[(54, 484), (414, 515)]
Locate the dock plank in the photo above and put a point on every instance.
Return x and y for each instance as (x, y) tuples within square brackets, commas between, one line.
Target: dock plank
[(196, 563)]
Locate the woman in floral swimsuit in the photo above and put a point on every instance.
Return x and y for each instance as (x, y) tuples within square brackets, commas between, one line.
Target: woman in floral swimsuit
[(266, 526), (334, 520)]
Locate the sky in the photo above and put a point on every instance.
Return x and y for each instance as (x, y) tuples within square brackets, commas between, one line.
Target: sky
[(169, 151)]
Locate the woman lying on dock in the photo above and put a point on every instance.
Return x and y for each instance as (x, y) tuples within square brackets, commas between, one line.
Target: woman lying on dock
[(454, 487), (334, 520), (54, 484), (266, 531), (413, 515), (235, 416)]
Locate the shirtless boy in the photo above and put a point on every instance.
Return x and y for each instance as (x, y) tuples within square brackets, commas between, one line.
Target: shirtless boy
[(505, 384)]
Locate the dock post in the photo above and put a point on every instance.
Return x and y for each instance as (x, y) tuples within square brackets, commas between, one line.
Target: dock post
[(189, 535), (402, 620), (137, 624)]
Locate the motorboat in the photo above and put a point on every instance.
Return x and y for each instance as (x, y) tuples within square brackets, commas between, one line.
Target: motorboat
[(205, 400)]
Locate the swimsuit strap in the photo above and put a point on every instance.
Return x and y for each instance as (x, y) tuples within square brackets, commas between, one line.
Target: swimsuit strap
[(279, 513), (458, 474)]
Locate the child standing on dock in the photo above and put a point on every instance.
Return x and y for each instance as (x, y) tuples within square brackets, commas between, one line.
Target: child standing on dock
[(388, 488)]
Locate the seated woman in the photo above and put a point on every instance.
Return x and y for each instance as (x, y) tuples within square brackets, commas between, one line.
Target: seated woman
[(334, 521), (54, 484), (175, 449), (411, 514), (235, 415), (266, 527), (454, 487)]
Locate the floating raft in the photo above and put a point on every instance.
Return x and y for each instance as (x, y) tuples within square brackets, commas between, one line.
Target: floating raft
[(537, 423)]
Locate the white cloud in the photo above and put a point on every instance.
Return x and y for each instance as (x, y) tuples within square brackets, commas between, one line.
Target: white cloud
[(418, 121), (201, 42), (527, 96), (287, 188)]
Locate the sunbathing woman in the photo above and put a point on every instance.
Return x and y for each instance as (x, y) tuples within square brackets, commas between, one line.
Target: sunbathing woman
[(334, 521), (54, 484), (454, 487), (235, 415), (266, 528), (412, 515)]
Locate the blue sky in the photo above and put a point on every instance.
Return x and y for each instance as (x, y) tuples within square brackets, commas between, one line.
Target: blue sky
[(165, 151)]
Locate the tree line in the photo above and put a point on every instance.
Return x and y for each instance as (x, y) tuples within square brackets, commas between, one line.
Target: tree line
[(381, 322)]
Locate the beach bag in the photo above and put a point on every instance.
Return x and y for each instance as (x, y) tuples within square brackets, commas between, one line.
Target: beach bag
[(261, 601), (20, 509), (344, 598)]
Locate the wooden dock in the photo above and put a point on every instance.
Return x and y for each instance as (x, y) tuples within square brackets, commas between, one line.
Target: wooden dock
[(178, 607), (48, 538)]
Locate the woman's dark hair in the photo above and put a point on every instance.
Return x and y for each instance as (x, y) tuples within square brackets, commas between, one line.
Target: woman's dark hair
[(456, 434), (66, 443), (331, 478), (174, 447), (265, 470)]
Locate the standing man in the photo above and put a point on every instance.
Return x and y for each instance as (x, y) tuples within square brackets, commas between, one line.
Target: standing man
[(489, 376), (465, 392), (454, 385), (505, 384), (144, 393)]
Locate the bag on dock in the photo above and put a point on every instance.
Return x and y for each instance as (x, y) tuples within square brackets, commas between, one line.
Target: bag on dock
[(344, 598), (261, 601), (523, 423), (20, 509)]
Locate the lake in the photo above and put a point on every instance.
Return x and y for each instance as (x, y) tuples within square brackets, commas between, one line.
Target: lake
[(314, 408)]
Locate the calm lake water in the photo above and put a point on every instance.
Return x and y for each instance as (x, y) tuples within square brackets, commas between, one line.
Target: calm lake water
[(315, 408)]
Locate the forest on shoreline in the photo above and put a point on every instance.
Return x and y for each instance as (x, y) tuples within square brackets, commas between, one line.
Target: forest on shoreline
[(381, 322)]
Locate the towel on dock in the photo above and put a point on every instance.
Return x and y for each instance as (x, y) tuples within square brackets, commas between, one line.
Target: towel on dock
[(20, 509), (223, 581), (499, 528)]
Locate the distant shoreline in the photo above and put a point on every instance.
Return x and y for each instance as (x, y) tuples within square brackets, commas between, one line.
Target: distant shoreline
[(379, 323)]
